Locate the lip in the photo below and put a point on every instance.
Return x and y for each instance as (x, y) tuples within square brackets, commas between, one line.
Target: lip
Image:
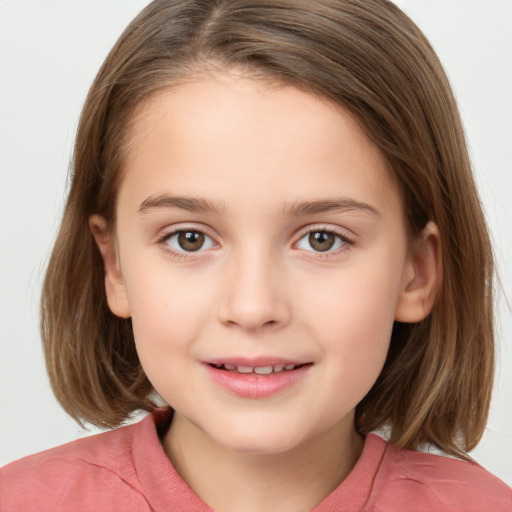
[(254, 361), (251, 385)]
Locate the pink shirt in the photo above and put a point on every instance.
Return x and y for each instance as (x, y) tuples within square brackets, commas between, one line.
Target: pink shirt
[(127, 470)]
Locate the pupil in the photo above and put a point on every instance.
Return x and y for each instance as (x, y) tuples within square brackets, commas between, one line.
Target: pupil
[(191, 240), (321, 241)]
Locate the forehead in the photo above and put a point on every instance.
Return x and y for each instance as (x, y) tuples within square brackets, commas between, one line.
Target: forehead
[(235, 137)]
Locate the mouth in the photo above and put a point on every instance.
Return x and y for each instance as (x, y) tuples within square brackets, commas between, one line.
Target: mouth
[(258, 370), (257, 378)]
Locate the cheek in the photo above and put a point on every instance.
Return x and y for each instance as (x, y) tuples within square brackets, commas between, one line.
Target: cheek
[(353, 320), (358, 299), (358, 327), (165, 326), (166, 316)]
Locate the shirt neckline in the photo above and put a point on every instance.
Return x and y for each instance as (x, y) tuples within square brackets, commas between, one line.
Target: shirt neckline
[(165, 489)]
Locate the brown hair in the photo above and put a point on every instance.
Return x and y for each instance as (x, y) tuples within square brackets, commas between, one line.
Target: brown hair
[(365, 55)]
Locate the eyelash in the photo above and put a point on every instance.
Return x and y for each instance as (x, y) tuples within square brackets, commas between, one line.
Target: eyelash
[(346, 241), (181, 256)]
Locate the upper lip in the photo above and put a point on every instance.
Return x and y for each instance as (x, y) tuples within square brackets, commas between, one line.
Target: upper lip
[(262, 361)]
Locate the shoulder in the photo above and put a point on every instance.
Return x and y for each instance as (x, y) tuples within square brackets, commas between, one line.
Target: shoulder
[(75, 476), (435, 482)]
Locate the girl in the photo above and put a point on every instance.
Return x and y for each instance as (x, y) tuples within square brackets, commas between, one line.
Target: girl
[(273, 229)]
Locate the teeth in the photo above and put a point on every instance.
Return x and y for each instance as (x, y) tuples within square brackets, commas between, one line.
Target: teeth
[(263, 370), (244, 369), (259, 370)]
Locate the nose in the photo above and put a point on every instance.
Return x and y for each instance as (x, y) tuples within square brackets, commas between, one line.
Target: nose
[(254, 294)]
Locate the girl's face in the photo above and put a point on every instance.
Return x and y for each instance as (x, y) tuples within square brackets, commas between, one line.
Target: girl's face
[(262, 255)]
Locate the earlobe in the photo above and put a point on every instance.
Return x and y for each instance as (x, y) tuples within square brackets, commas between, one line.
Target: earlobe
[(422, 277), (114, 283)]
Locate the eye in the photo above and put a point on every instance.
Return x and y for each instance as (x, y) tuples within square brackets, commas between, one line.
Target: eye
[(321, 241), (188, 240)]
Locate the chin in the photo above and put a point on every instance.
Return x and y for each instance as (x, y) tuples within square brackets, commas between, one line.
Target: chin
[(260, 445), (257, 439)]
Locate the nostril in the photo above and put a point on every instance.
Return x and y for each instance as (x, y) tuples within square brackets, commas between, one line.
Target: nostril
[(251, 311)]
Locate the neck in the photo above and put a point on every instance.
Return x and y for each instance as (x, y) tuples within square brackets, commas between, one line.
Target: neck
[(229, 481)]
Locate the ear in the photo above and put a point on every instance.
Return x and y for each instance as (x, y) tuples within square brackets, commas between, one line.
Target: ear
[(114, 283), (422, 277)]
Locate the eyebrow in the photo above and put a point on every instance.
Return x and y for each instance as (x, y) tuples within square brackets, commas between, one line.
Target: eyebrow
[(329, 205), (190, 204), (296, 209)]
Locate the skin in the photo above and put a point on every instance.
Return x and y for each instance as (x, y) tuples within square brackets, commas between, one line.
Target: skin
[(257, 287)]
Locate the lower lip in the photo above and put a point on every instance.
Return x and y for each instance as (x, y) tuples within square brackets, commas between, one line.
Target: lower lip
[(252, 385)]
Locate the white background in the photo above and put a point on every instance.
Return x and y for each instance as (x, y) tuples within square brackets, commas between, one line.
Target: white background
[(49, 54)]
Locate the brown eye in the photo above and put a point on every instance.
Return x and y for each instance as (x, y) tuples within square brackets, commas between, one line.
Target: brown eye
[(322, 241), (187, 241), (190, 241)]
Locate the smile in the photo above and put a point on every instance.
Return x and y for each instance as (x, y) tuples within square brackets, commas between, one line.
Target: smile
[(259, 370), (257, 380)]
